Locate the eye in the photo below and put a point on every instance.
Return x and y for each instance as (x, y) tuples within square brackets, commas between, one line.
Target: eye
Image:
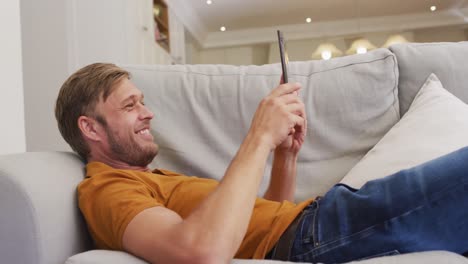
[(142, 102), (130, 105)]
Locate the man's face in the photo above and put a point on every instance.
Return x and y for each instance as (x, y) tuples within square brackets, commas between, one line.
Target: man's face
[(126, 124)]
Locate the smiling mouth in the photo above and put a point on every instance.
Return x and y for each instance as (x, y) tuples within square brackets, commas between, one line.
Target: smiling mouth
[(143, 132)]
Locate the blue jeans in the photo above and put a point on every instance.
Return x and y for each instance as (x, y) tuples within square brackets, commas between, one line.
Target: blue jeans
[(419, 209)]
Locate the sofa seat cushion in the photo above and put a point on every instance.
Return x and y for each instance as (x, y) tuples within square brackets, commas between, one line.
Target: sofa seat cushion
[(435, 124), (118, 257), (203, 112), (429, 257)]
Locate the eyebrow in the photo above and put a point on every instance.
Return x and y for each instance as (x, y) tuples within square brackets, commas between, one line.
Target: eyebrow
[(132, 97)]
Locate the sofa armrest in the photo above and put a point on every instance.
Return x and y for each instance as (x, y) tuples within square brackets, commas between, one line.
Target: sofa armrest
[(40, 222)]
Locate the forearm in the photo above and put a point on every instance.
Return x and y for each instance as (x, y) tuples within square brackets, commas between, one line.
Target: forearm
[(283, 177), (213, 232), (222, 218)]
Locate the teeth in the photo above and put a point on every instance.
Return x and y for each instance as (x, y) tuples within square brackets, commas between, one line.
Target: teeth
[(144, 131)]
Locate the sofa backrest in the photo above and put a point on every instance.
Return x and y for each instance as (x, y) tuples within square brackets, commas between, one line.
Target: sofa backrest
[(416, 61), (204, 111), (40, 222)]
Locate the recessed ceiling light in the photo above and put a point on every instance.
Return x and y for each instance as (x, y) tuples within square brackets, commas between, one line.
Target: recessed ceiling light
[(209, 2), (222, 28), (308, 20), (433, 8)]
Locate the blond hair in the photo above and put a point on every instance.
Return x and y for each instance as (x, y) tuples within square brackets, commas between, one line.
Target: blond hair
[(79, 95)]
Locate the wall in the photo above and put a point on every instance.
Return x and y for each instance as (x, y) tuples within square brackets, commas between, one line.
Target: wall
[(236, 56), (297, 50), (241, 55), (45, 67), (440, 34), (260, 54), (99, 32), (177, 33), (192, 53), (61, 36), (12, 135), (302, 49)]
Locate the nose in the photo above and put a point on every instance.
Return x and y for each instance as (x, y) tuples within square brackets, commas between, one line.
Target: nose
[(145, 113)]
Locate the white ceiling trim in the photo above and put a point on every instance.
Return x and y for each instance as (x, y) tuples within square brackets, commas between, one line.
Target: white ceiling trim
[(189, 19), (333, 28)]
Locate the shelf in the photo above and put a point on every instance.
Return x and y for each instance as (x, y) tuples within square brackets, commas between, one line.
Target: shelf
[(161, 22), (161, 19)]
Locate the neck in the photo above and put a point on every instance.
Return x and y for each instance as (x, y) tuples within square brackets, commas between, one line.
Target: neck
[(117, 164)]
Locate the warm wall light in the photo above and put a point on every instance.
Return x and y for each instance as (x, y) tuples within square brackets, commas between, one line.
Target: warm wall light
[(156, 11), (308, 20), (360, 46), (433, 8), (326, 51), (222, 28), (209, 2), (394, 39), (361, 50)]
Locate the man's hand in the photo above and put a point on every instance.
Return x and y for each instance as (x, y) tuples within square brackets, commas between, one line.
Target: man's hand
[(280, 115), (293, 143), (283, 174)]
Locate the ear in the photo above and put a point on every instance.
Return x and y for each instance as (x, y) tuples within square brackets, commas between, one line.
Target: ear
[(90, 128)]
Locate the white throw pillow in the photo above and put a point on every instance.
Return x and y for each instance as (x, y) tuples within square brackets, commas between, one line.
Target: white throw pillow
[(435, 124)]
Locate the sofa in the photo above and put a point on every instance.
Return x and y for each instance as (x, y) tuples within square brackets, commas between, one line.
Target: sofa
[(358, 109)]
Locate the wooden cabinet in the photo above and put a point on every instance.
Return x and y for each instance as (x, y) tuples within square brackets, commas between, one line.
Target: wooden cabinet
[(126, 36), (161, 28)]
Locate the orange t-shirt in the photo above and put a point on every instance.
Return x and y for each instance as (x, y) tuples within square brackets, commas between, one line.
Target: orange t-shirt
[(110, 198)]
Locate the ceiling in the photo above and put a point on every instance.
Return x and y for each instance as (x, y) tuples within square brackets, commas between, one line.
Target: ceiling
[(252, 21), (243, 14)]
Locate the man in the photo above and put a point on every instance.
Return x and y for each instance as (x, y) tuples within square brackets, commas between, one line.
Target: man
[(165, 217)]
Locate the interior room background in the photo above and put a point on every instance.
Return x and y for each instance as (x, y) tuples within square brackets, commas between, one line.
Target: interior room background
[(45, 41)]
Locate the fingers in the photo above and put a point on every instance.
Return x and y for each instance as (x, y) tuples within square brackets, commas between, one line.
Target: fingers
[(281, 114), (299, 118), (299, 123), (297, 109), (291, 98), (284, 101), (285, 89)]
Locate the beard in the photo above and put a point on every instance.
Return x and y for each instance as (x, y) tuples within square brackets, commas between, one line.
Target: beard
[(129, 151)]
